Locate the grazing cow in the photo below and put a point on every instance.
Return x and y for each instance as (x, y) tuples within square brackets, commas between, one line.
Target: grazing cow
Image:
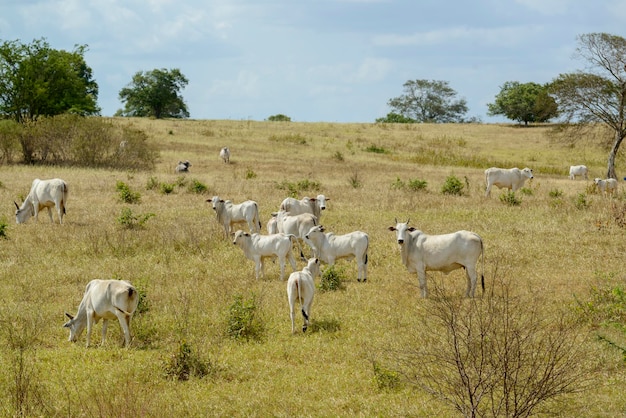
[(183, 167), (43, 194), (272, 225), (301, 287), (225, 155), (421, 253), (104, 299), (313, 205), (511, 178), (578, 170), (606, 186), (298, 225), (329, 247), (257, 247), (228, 214)]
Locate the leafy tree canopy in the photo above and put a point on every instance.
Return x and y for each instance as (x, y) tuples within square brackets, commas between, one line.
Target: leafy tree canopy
[(394, 118), (597, 95), (279, 118), (36, 80), (429, 101), (155, 93), (528, 102)]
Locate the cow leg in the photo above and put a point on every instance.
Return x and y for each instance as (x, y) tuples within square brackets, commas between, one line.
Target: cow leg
[(124, 323), (50, 214), (488, 191), (90, 321), (258, 268), (421, 279), (292, 292), (282, 267), (105, 325), (471, 281), (292, 260)]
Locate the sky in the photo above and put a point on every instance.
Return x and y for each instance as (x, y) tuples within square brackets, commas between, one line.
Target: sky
[(316, 60)]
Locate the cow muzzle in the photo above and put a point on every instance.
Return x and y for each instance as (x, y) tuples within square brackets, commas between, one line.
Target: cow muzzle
[(400, 241)]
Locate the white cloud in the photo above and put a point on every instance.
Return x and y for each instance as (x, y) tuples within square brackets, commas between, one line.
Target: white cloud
[(373, 69), (245, 85)]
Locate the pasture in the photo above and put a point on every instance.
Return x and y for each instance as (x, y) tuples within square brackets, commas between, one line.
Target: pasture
[(554, 248)]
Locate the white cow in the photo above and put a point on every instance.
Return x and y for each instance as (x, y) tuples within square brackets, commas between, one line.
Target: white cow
[(329, 247), (104, 299), (578, 170), (183, 167), (228, 214), (257, 247), (225, 155), (606, 186), (272, 225), (43, 194), (421, 253), (507, 178), (313, 205), (301, 287), (298, 225)]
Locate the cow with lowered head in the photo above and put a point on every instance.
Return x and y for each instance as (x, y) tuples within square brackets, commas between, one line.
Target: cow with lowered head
[(43, 194), (104, 299)]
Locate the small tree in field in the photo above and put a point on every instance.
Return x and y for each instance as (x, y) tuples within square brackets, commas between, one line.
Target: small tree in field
[(428, 101), (528, 102)]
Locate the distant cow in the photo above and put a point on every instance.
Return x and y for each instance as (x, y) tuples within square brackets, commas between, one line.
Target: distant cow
[(298, 225), (229, 214), (421, 253), (104, 299), (507, 178), (606, 186), (43, 194), (183, 167), (257, 247), (313, 205), (329, 247), (272, 225), (225, 155), (301, 287), (578, 170)]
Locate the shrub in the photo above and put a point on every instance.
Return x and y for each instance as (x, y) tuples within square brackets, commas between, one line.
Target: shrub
[(416, 185), (332, 279), (195, 186), (354, 180), (279, 118), (301, 186), (243, 320), (510, 199), (581, 201), (126, 195), (398, 184), (3, 228), (376, 149), (185, 363), (128, 220), (166, 188), (385, 379), (452, 186), (555, 193), (338, 156), (250, 174), (152, 183)]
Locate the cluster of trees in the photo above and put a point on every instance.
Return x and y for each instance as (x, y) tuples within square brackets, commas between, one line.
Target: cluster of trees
[(37, 80)]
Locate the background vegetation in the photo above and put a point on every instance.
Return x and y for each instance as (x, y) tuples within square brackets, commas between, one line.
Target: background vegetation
[(209, 339)]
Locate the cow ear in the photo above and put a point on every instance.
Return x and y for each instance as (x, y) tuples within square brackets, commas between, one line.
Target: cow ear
[(392, 228), (328, 198), (411, 229)]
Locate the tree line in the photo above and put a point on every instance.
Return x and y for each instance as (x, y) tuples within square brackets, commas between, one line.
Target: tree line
[(39, 81)]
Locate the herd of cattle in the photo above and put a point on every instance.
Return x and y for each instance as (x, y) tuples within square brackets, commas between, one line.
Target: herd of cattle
[(295, 222)]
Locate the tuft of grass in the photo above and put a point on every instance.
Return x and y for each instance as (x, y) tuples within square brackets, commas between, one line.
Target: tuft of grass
[(332, 279), (185, 363), (166, 188), (126, 195), (197, 187), (510, 198), (128, 220), (377, 149), (244, 323)]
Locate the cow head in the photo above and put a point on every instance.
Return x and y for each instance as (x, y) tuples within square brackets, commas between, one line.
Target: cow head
[(75, 330), (23, 213), (321, 201), (240, 236), (317, 228), (528, 172), (401, 229), (215, 200)]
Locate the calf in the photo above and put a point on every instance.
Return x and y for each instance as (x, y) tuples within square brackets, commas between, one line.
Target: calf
[(225, 155), (229, 214), (445, 253), (301, 287), (606, 186), (104, 299), (298, 225), (257, 247), (43, 194), (182, 167), (329, 247)]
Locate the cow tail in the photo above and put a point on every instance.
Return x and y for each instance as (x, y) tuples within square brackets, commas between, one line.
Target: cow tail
[(367, 247), (131, 290), (258, 218), (482, 275), (65, 193), (291, 237)]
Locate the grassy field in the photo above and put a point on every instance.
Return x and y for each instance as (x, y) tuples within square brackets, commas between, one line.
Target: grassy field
[(559, 244)]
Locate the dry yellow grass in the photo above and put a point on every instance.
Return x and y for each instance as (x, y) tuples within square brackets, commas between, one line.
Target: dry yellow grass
[(550, 249)]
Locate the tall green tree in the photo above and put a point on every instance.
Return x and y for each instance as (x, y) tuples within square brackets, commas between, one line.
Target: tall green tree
[(597, 95), (527, 103), (429, 101), (37, 80), (155, 93)]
